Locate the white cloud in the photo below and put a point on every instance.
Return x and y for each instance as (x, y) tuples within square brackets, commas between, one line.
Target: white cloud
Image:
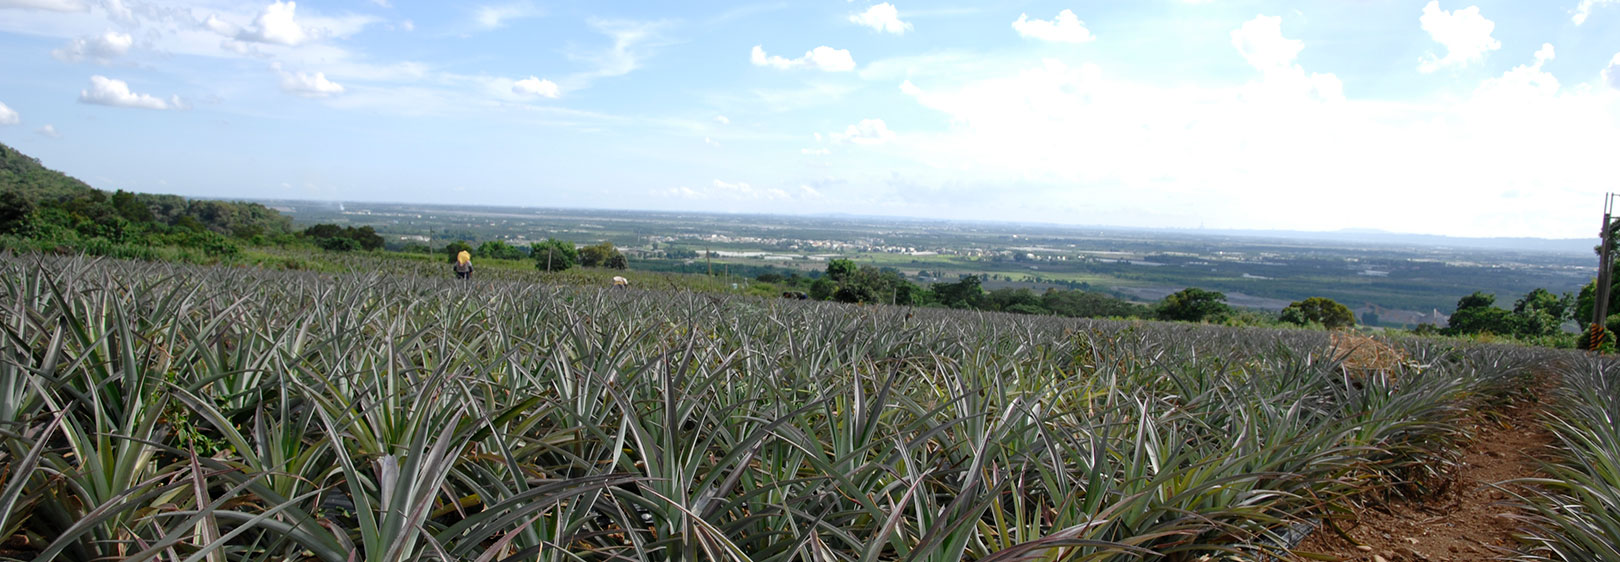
[(1065, 28), (276, 24), (496, 16), (1611, 75), (1260, 41), (49, 131), (533, 86), (868, 131), (1465, 34), (821, 58), (882, 17), (407, 25), (1584, 10), (48, 5), (116, 93), (8, 116), (308, 85), (101, 48), (723, 120), (1524, 80), (814, 151), (382, 3), (1087, 143), (118, 12), (711, 142)]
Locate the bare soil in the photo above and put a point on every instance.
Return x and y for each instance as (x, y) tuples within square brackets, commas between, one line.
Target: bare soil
[(1469, 521)]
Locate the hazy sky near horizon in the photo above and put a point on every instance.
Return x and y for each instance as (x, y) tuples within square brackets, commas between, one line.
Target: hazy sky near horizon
[(1484, 118)]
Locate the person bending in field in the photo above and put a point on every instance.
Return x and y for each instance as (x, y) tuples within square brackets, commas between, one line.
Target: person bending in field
[(463, 267)]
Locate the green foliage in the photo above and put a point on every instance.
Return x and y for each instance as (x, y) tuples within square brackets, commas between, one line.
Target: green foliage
[(823, 289), (968, 292), (1477, 314), (553, 254), (338, 244), (1538, 314), (166, 412), (680, 253), (1194, 305), (1319, 310), (15, 210), (498, 249), (602, 255), (454, 249), (1085, 304), (25, 175), (841, 270), (344, 238)]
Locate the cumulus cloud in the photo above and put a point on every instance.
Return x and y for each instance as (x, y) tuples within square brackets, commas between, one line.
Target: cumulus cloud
[(723, 120), (820, 58), (1584, 10), (868, 131), (276, 24), (1065, 28), (116, 93), (101, 48), (1611, 75), (48, 131), (1525, 79), (882, 17), (1464, 33), (1260, 41), (8, 116), (308, 85), (496, 16), (533, 86), (48, 5)]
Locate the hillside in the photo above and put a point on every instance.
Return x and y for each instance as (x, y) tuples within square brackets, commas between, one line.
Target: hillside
[(24, 174), (50, 209)]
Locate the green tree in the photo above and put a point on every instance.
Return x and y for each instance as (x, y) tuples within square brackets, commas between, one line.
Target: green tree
[(1319, 310), (1477, 313), (823, 288), (15, 210), (598, 255), (1540, 313), (454, 248), (968, 292), (840, 270), (1194, 305), (554, 254), (500, 250)]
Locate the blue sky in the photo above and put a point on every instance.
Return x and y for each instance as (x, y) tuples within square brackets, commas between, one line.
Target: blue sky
[(1486, 118)]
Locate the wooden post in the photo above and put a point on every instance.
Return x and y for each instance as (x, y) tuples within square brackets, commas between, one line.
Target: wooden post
[(1600, 294)]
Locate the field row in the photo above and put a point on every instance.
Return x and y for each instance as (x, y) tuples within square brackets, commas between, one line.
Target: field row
[(155, 410)]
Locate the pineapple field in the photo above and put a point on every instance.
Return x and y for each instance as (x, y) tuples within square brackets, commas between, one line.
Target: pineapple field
[(154, 411)]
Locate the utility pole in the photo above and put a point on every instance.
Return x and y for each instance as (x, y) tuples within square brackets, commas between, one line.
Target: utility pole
[(1600, 300)]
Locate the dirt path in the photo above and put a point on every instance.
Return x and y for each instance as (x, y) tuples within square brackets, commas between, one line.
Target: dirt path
[(1465, 523)]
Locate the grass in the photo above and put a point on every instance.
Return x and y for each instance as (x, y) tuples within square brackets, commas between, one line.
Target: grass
[(386, 412)]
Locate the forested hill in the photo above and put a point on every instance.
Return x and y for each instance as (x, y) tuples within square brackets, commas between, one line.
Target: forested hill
[(25, 175), (44, 208)]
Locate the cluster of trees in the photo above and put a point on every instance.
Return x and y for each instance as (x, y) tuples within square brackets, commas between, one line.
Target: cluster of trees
[(344, 238), (549, 255), (52, 209), (845, 281), (1539, 313)]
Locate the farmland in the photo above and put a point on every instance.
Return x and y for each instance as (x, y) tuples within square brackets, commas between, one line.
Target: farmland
[(1400, 280), (168, 411)]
